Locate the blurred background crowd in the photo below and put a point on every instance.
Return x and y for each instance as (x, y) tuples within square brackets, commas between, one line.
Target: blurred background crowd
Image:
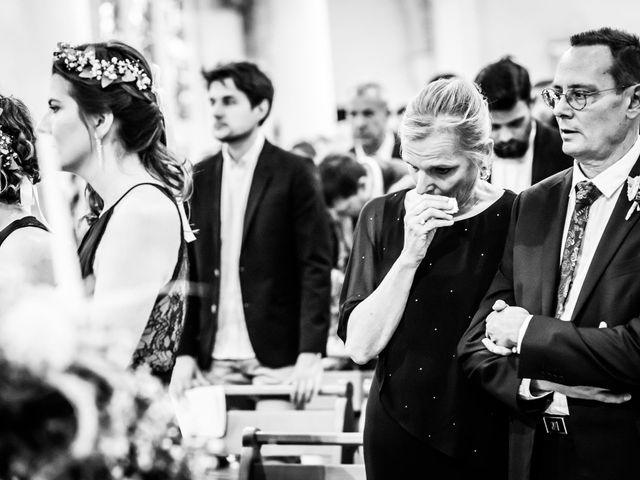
[(316, 51)]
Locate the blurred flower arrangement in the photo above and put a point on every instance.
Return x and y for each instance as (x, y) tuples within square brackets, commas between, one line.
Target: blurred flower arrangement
[(67, 409)]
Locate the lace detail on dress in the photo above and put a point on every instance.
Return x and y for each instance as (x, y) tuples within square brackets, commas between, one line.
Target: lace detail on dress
[(161, 336)]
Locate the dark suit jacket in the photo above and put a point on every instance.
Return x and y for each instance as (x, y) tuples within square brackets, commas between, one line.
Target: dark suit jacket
[(548, 157), (285, 267), (572, 353)]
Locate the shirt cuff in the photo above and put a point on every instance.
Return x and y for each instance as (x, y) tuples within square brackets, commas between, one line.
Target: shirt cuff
[(521, 332), (524, 391)]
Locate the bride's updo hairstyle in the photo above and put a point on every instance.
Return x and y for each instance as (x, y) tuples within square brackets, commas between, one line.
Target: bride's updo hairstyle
[(114, 77)]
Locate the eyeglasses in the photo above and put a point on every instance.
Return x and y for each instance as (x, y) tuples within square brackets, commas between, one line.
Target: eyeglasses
[(577, 99)]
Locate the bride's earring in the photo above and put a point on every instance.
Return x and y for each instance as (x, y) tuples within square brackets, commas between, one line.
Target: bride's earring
[(99, 150), (485, 172)]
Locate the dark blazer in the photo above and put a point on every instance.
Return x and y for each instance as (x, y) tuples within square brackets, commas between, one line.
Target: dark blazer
[(607, 436), (285, 267), (548, 157)]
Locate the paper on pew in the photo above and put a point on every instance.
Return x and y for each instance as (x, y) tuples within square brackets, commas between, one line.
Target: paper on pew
[(202, 412)]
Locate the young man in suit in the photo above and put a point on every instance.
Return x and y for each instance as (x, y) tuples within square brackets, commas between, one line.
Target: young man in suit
[(525, 150), (557, 337), (261, 262)]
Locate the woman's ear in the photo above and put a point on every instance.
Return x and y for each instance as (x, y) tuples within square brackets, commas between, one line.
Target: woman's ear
[(102, 123)]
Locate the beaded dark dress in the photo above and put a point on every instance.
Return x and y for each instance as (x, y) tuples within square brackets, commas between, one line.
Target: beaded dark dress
[(419, 390), (23, 222), (161, 336)]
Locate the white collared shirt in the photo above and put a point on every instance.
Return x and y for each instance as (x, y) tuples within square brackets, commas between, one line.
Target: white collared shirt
[(374, 185), (232, 337), (611, 183), (514, 174)]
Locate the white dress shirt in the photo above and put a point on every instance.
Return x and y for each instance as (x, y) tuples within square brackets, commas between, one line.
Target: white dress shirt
[(611, 183), (232, 338), (514, 174), (374, 179)]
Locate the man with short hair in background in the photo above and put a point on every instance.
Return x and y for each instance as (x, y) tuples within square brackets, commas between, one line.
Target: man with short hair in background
[(261, 260), (374, 144), (525, 150)]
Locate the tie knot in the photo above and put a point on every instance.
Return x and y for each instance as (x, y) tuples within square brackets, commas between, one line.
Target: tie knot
[(586, 194)]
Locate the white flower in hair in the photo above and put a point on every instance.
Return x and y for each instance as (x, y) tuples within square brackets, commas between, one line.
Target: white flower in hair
[(86, 65)]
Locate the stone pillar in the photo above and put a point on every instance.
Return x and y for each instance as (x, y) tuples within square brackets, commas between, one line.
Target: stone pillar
[(457, 37), (293, 44)]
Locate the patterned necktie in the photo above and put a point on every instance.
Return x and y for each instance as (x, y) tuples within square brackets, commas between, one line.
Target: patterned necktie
[(586, 194)]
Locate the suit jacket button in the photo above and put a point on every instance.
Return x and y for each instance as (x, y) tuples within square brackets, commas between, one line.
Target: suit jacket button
[(246, 304), (214, 309), (241, 269), (216, 272)]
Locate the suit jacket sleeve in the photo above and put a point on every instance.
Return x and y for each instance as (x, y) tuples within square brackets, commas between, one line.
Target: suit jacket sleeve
[(189, 340), (565, 353), (314, 259), (496, 374)]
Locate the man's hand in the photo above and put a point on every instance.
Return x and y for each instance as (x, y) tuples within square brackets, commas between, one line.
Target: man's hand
[(503, 324), (305, 377), (582, 392), (185, 375), (493, 348)]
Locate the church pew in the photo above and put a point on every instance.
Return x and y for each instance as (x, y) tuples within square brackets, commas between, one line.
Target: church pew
[(254, 465), (335, 416)]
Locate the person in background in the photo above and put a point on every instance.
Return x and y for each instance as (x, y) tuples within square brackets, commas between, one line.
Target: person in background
[(343, 185), (24, 240), (107, 128), (262, 257), (421, 261), (374, 144), (526, 151)]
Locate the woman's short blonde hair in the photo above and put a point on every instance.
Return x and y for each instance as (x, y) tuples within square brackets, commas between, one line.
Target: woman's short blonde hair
[(453, 106)]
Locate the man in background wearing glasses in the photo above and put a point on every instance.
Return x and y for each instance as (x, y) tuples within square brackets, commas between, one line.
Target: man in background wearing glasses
[(557, 336)]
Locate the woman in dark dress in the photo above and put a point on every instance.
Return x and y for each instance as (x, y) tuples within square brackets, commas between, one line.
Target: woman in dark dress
[(421, 261), (24, 241), (107, 128)]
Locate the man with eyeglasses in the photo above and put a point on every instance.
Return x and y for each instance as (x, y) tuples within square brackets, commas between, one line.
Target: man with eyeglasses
[(557, 337), (525, 151)]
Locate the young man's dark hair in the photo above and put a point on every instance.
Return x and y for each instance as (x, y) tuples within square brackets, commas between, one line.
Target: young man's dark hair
[(340, 174), (247, 77), (625, 49), (504, 83)]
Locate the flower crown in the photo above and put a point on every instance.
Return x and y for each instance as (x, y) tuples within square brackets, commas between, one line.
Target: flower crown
[(8, 156), (85, 63)]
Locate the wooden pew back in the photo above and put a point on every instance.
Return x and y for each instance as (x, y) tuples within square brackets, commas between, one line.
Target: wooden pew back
[(253, 466)]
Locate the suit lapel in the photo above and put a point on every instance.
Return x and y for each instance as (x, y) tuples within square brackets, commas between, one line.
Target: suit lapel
[(614, 234), (552, 215), (215, 199), (539, 156), (261, 178)]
